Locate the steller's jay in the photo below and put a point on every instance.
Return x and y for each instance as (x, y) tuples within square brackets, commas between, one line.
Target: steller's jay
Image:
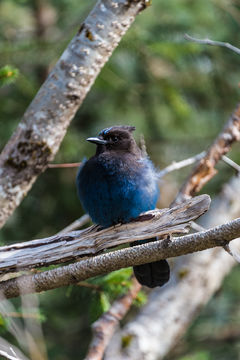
[(116, 185)]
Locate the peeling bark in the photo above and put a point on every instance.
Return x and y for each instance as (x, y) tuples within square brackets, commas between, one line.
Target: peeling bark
[(70, 246), (115, 260)]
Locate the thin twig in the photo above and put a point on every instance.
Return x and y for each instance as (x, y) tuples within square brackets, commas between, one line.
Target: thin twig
[(180, 164), (231, 163), (89, 286), (196, 226), (22, 315), (65, 165), (212, 43), (172, 167)]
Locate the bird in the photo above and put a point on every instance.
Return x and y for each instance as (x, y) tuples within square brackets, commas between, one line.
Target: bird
[(116, 185)]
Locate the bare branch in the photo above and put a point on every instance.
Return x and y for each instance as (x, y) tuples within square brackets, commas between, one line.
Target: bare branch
[(115, 260), (172, 167), (39, 134), (90, 241), (63, 166), (180, 164), (105, 326), (231, 163), (212, 43), (16, 314)]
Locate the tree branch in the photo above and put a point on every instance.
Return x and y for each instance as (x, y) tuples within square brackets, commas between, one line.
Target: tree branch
[(212, 43), (90, 241), (64, 166), (176, 165), (231, 163), (115, 260), (180, 164), (39, 134)]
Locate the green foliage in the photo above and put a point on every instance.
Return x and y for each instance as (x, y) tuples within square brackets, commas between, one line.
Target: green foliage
[(117, 282), (8, 74), (108, 288), (105, 289), (3, 325), (141, 298)]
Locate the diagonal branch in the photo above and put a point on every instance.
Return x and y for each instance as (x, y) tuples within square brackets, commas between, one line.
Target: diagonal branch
[(44, 124), (180, 164), (212, 43)]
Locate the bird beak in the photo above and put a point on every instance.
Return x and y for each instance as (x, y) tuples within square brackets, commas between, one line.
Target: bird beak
[(97, 141)]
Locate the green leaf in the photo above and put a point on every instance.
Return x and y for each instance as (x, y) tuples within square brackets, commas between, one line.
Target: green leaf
[(141, 299), (104, 302), (116, 283), (2, 321), (8, 74)]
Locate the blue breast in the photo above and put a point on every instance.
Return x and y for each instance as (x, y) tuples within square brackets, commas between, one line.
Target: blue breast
[(113, 190)]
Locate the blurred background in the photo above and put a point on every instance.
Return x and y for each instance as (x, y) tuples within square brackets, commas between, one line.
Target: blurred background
[(178, 95)]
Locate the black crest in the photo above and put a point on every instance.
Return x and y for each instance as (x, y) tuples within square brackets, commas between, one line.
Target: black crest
[(117, 127)]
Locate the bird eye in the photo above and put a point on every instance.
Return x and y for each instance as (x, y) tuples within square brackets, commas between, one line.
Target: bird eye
[(114, 138)]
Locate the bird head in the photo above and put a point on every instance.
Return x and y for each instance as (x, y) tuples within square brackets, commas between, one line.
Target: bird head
[(115, 138)]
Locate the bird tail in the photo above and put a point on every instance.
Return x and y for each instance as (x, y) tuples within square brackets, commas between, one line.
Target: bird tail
[(153, 274)]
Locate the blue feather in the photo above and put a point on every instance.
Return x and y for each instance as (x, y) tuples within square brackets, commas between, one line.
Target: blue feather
[(117, 185)]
